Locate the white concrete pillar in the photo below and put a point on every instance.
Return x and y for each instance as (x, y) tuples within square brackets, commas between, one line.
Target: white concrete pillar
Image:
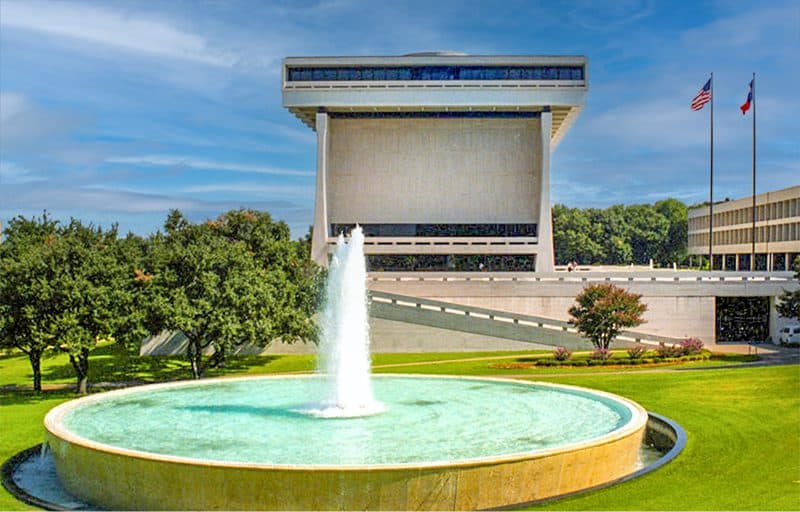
[(737, 262), (545, 258), (787, 265), (724, 262), (319, 242)]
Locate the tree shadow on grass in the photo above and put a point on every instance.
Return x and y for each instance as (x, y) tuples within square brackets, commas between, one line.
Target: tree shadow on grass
[(28, 397), (115, 363)]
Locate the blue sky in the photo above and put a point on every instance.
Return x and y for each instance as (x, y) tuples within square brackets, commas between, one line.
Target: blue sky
[(118, 111)]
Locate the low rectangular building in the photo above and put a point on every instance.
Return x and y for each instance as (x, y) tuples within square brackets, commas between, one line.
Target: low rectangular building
[(777, 233)]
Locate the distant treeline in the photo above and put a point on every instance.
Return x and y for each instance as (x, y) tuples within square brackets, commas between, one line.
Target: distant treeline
[(621, 235)]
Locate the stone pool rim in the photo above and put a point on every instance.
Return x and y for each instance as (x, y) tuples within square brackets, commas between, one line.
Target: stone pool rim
[(54, 426)]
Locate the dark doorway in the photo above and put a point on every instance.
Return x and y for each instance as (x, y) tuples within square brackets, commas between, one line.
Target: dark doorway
[(742, 319)]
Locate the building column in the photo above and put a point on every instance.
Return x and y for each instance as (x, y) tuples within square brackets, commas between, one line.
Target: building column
[(319, 239), (769, 262), (724, 262), (786, 263), (545, 258), (737, 262)]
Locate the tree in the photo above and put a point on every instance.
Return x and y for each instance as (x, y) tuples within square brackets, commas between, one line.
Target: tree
[(619, 235), (789, 305), (574, 236), (673, 249), (603, 310), (60, 288), (90, 290), (26, 290), (225, 283)]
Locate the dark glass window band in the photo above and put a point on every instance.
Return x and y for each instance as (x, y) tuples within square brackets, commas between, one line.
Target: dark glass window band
[(433, 115), (423, 73), (451, 262), (437, 230)]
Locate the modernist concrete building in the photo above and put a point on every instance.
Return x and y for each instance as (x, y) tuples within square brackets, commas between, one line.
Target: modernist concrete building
[(443, 158), (777, 231)]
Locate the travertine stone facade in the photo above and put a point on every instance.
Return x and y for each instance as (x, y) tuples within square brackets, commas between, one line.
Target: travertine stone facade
[(451, 170)]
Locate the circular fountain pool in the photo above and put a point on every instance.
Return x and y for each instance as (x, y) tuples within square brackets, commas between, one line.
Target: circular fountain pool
[(248, 443)]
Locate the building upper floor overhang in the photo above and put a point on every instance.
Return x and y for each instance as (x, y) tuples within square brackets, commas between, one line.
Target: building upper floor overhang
[(437, 83)]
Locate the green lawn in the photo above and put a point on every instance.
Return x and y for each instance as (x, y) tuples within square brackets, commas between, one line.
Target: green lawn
[(743, 424)]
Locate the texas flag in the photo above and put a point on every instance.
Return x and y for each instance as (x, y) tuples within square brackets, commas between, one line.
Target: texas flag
[(746, 105)]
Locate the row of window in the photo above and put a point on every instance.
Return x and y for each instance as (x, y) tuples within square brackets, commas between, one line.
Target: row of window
[(770, 211), (779, 233), (412, 73), (780, 261), (484, 114), (451, 262), (436, 230)]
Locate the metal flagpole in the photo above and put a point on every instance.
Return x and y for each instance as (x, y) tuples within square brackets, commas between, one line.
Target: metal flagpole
[(711, 185), (753, 249)]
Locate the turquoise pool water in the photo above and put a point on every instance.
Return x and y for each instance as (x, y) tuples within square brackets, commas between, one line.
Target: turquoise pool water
[(427, 420)]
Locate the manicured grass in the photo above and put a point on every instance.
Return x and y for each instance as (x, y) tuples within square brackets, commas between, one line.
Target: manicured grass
[(743, 448), (21, 416), (743, 425)]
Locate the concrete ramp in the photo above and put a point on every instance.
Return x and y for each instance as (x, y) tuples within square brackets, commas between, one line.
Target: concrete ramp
[(492, 323)]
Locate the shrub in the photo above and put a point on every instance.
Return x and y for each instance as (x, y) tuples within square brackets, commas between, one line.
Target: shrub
[(602, 354), (664, 351), (691, 346), (636, 352), (562, 354)]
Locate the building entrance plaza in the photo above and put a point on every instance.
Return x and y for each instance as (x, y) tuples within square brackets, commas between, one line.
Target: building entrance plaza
[(444, 159)]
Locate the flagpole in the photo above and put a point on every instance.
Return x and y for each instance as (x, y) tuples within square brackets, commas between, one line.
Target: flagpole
[(753, 249), (711, 185)]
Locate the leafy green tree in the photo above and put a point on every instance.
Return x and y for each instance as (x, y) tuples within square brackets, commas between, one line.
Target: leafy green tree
[(90, 284), (789, 305), (61, 289), (646, 231), (619, 235), (603, 310), (575, 236), (674, 248), (26, 289), (229, 282)]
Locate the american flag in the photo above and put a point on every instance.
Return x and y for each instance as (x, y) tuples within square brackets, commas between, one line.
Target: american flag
[(703, 97)]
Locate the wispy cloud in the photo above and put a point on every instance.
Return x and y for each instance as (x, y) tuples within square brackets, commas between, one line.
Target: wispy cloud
[(209, 165), (249, 188), (608, 16), (101, 25), (110, 199), (13, 174)]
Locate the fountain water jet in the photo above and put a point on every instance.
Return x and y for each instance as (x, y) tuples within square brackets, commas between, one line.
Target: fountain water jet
[(344, 344)]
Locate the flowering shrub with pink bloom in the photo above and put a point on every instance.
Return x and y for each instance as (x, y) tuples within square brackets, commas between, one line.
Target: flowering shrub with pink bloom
[(691, 346), (562, 354), (637, 352), (602, 354), (664, 350)]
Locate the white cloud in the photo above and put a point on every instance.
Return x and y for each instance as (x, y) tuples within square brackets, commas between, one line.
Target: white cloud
[(11, 105), (13, 174), (607, 16), (196, 163), (249, 188), (99, 25)]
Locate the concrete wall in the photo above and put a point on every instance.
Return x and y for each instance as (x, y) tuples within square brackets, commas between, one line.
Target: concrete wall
[(392, 336), (449, 170), (665, 316)]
